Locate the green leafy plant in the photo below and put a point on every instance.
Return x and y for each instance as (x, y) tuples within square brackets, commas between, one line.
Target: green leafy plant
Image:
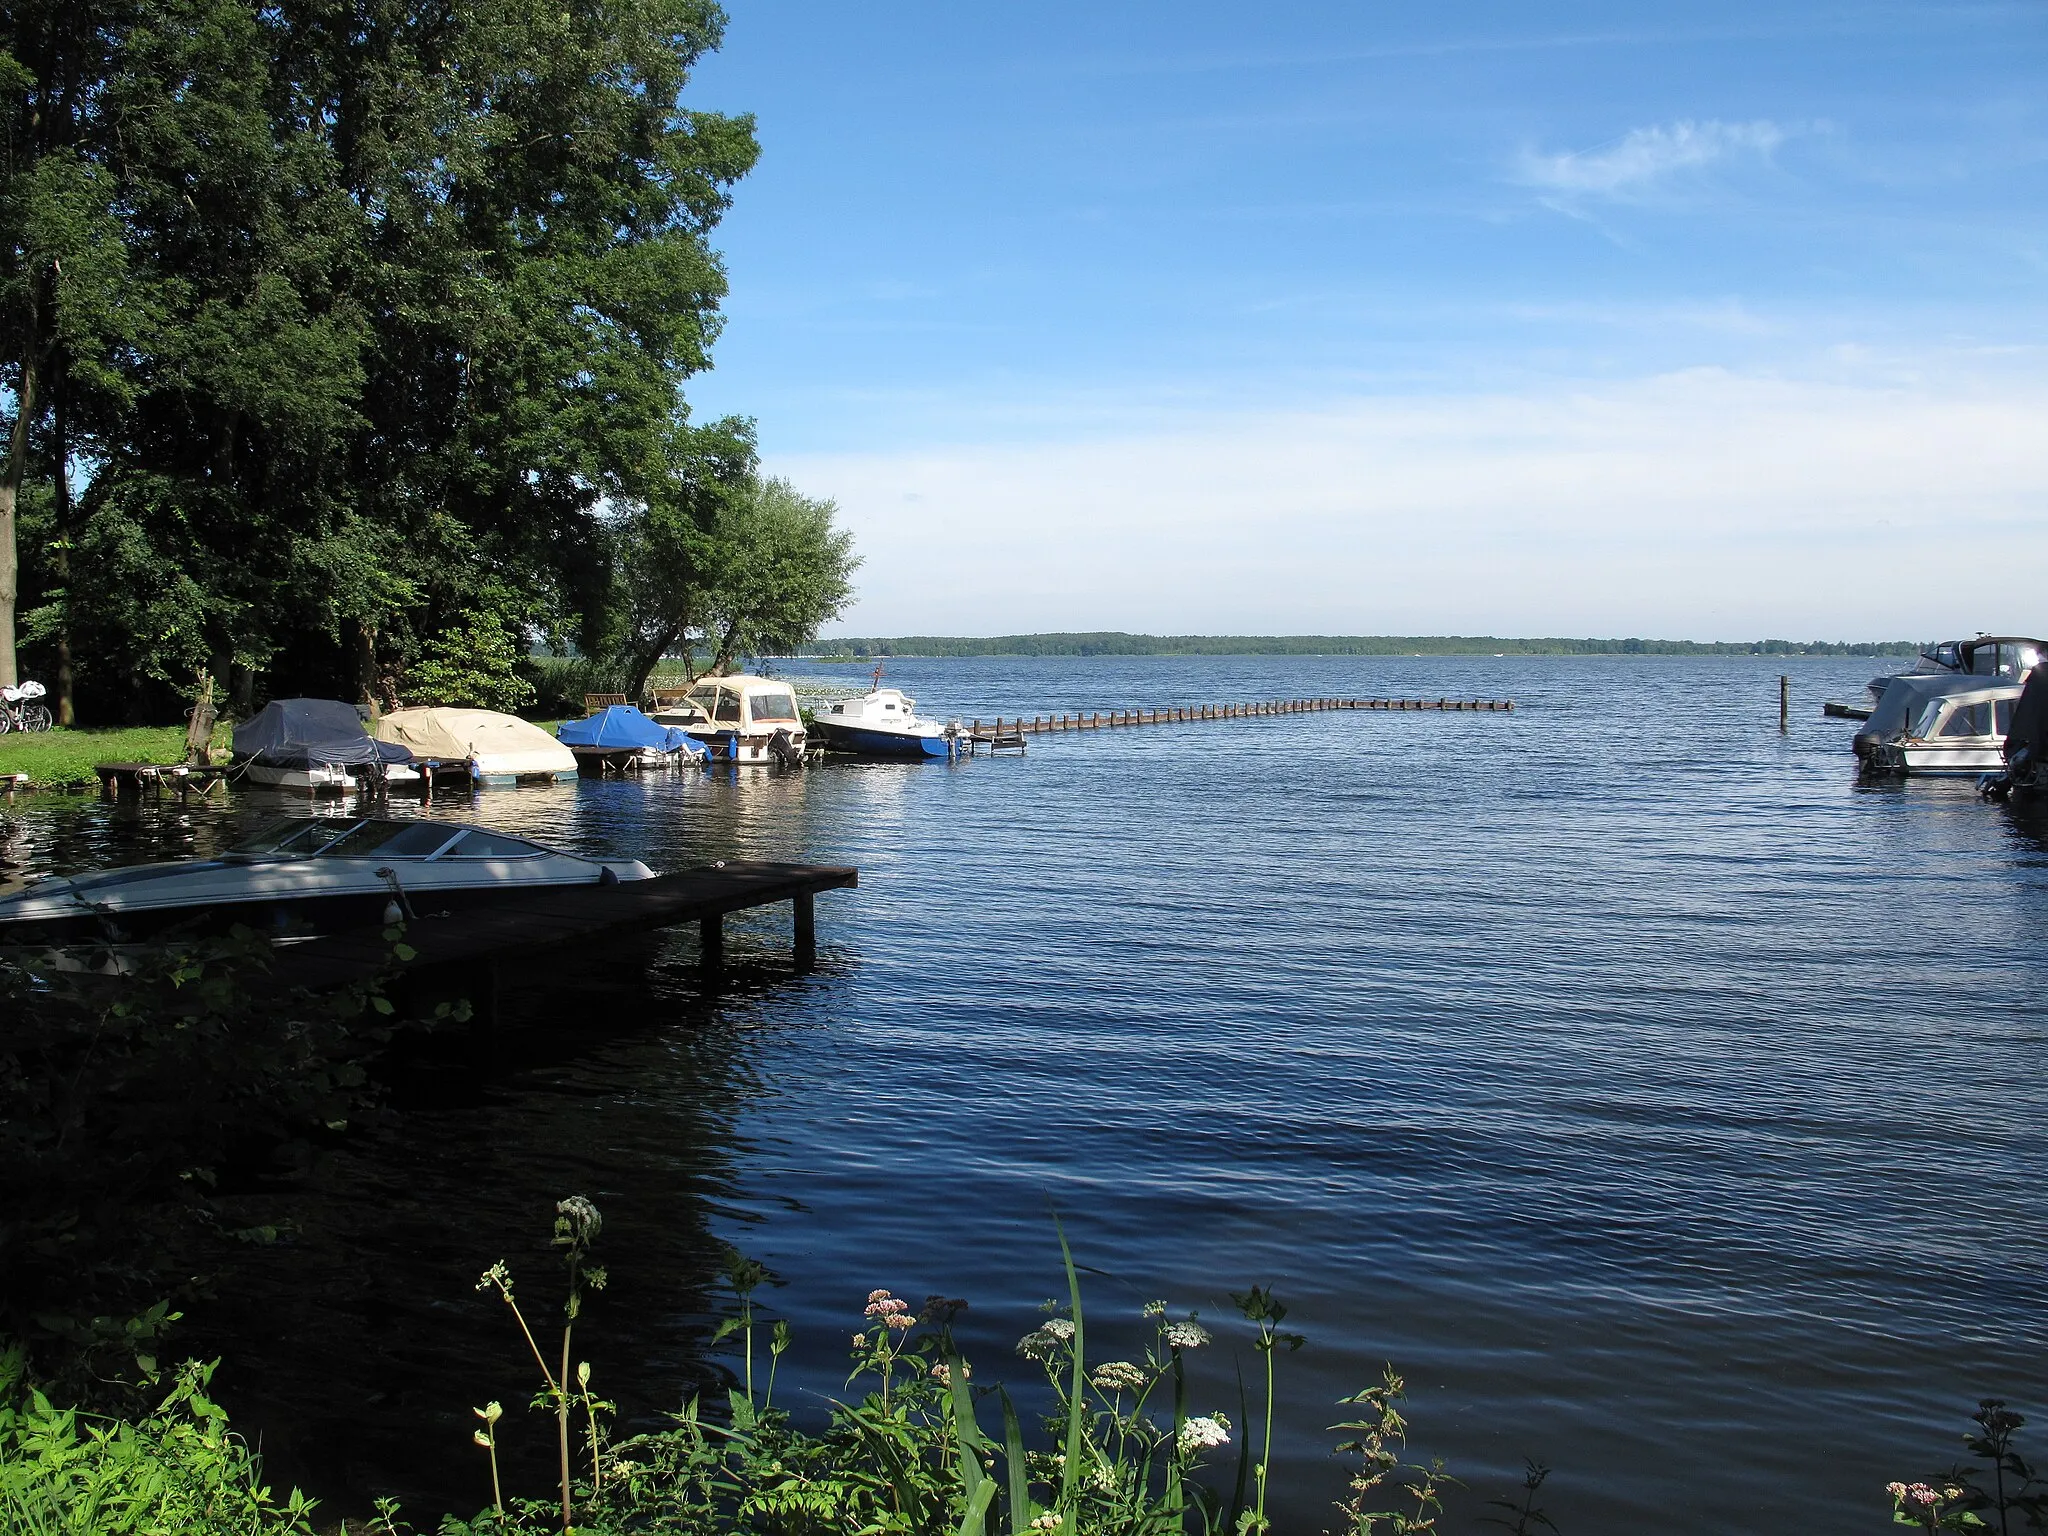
[(176, 1468)]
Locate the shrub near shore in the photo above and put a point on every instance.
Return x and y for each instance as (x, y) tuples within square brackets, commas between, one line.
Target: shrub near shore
[(1120, 1453)]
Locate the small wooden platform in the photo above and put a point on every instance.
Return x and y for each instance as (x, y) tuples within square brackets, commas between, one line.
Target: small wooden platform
[(575, 913), (127, 781)]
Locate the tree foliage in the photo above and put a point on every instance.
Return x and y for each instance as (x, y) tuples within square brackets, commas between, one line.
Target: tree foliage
[(723, 561), (340, 313)]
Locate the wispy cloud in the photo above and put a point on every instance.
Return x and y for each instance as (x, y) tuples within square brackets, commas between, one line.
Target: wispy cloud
[(1645, 158), (1702, 503)]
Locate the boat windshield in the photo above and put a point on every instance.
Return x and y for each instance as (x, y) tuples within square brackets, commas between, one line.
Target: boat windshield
[(301, 836), (304, 838), (778, 704), (391, 840)]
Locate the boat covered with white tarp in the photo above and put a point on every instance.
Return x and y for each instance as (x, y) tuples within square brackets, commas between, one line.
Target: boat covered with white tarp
[(490, 747)]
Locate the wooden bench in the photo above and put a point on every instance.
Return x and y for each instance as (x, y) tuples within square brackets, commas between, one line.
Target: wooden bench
[(593, 702)]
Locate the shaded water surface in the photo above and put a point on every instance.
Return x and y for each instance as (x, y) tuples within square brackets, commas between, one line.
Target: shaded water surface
[(1666, 1105)]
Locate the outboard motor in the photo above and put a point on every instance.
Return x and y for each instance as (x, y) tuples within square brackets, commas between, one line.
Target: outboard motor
[(784, 748)]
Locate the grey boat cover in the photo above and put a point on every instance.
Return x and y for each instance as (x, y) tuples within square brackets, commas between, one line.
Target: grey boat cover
[(1907, 696), (295, 732)]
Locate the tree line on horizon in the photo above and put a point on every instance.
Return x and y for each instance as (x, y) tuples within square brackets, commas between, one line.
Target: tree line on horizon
[(1116, 643), (343, 347)]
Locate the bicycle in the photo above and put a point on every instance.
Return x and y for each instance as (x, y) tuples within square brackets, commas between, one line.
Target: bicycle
[(20, 712)]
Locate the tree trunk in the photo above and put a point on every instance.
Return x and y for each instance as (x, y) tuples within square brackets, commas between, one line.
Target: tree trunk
[(10, 493), (722, 662), (366, 663), (644, 663), (60, 552)]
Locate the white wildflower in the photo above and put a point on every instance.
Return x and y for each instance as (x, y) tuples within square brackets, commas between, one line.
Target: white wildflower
[(1204, 1433), (1046, 1522), (1187, 1335), (1155, 1309), (1118, 1376), (1060, 1328)]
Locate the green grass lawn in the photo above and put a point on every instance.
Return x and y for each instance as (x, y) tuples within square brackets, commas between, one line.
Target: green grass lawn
[(53, 759)]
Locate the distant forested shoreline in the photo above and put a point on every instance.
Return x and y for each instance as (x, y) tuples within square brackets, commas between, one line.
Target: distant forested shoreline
[(1115, 643)]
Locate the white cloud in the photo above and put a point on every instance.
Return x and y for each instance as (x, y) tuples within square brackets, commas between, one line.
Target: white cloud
[(1698, 504), (1645, 157)]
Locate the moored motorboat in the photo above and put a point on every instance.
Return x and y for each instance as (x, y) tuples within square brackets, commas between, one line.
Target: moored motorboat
[(300, 878), (483, 745), (2008, 657), (741, 719), (619, 736), (317, 745), (883, 723), (1939, 725)]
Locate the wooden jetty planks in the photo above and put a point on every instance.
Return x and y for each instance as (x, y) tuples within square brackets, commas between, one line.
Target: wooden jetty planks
[(1010, 732), (127, 781), (565, 914)]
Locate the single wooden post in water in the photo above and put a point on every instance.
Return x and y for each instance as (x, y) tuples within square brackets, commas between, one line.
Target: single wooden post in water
[(1784, 702), (803, 909)]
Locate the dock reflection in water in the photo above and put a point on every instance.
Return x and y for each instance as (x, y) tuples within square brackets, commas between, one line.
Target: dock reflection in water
[(1667, 1104)]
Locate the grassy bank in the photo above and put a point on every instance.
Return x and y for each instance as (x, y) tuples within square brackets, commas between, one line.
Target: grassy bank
[(59, 759)]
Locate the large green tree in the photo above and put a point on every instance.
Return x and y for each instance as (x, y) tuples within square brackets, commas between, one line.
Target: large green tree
[(402, 300)]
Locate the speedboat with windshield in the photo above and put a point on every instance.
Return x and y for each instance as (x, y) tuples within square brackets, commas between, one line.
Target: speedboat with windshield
[(1940, 724), (883, 723), (301, 878), (741, 719)]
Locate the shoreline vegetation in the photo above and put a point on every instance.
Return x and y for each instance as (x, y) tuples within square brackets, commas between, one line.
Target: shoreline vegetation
[(1119, 643)]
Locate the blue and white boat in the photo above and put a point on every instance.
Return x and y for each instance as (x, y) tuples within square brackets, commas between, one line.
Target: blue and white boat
[(883, 723)]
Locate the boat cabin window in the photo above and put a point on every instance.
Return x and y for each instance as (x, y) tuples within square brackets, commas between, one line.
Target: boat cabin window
[(778, 707), (2001, 717), (488, 845), (728, 706), (1945, 656), (1968, 720)]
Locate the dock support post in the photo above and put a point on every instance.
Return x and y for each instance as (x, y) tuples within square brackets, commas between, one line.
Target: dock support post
[(1784, 702), (804, 929)]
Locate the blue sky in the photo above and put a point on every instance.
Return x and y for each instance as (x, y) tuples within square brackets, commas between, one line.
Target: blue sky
[(1348, 318)]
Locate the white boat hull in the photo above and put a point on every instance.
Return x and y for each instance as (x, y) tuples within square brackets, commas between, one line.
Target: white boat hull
[(318, 778)]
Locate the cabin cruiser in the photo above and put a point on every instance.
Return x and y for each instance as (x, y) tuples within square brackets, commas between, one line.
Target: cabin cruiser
[(483, 744), (317, 745), (741, 719), (883, 723), (301, 878), (1941, 724), (2002, 656)]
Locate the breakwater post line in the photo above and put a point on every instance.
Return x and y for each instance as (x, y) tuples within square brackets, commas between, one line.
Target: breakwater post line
[(1010, 731)]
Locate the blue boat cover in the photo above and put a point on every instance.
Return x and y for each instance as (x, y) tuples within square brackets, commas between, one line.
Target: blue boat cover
[(620, 726), (297, 731)]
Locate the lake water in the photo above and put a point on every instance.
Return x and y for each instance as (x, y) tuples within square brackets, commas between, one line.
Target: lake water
[(1664, 1104)]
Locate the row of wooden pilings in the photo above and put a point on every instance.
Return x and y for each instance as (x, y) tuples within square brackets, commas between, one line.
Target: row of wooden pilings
[(1013, 727)]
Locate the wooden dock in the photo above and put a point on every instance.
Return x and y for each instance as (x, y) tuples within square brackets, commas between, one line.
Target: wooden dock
[(127, 781), (572, 914), (1010, 731)]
